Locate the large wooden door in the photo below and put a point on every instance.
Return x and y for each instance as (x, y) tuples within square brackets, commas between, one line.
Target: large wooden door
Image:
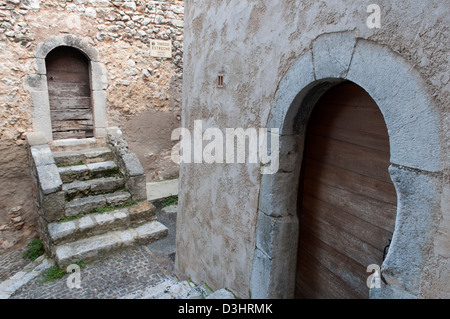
[(69, 93), (347, 202)]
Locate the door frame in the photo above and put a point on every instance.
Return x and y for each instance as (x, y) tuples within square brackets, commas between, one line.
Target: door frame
[(412, 120), (36, 85)]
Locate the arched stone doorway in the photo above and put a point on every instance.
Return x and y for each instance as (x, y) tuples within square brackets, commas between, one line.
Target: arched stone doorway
[(69, 93), (37, 85), (412, 121), (347, 202)]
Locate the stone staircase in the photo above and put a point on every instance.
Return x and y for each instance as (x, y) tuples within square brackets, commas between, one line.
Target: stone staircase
[(91, 198)]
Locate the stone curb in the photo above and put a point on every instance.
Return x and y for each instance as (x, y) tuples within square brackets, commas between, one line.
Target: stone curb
[(29, 272), (173, 289)]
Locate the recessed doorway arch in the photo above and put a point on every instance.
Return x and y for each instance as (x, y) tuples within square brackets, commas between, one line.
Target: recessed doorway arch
[(37, 85), (412, 123)]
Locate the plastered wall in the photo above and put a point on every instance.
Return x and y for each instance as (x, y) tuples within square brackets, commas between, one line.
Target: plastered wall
[(254, 44)]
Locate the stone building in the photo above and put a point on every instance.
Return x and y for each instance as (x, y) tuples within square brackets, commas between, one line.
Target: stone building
[(106, 47), (359, 95)]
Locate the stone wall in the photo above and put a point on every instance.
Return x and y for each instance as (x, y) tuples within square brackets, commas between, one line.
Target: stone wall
[(254, 45), (139, 86)]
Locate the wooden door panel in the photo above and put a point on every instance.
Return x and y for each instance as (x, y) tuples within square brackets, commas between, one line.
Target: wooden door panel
[(353, 182), (69, 93), (347, 200), (356, 226), (354, 158)]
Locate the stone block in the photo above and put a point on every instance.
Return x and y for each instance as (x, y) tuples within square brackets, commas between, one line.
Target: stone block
[(73, 143), (261, 275), (273, 235), (274, 202), (53, 206), (99, 100), (172, 209), (35, 82), (99, 79), (71, 173), (105, 219), (58, 231), (40, 66), (42, 155), (418, 196), (411, 117), (76, 187), (67, 157), (84, 205), (114, 131), (30, 5), (42, 121), (106, 184), (43, 48), (126, 238), (102, 166), (143, 212), (36, 138), (100, 131), (137, 187), (150, 232), (103, 154), (118, 198), (332, 54), (132, 165), (299, 76), (390, 292), (85, 223), (158, 190), (276, 250), (49, 179)]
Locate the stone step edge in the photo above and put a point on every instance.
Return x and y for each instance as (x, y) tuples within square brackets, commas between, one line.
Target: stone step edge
[(86, 156), (77, 144), (88, 168), (70, 174), (89, 204), (96, 186), (99, 223), (170, 288), (100, 246)]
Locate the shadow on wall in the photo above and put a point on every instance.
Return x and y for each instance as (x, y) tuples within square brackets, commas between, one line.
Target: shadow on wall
[(149, 136), (17, 216)]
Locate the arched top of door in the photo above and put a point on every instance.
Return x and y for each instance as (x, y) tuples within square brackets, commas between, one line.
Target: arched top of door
[(44, 48), (410, 114)]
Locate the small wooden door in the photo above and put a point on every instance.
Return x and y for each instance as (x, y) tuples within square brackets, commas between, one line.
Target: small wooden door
[(69, 93), (347, 202)]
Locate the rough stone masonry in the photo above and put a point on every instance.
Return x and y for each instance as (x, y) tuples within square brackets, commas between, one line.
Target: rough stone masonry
[(140, 87)]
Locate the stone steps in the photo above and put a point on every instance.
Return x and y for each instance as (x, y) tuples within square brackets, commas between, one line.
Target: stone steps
[(99, 223), (95, 247), (79, 189), (90, 204)]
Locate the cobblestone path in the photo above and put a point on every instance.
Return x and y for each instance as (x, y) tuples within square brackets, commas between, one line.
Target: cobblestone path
[(118, 275)]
